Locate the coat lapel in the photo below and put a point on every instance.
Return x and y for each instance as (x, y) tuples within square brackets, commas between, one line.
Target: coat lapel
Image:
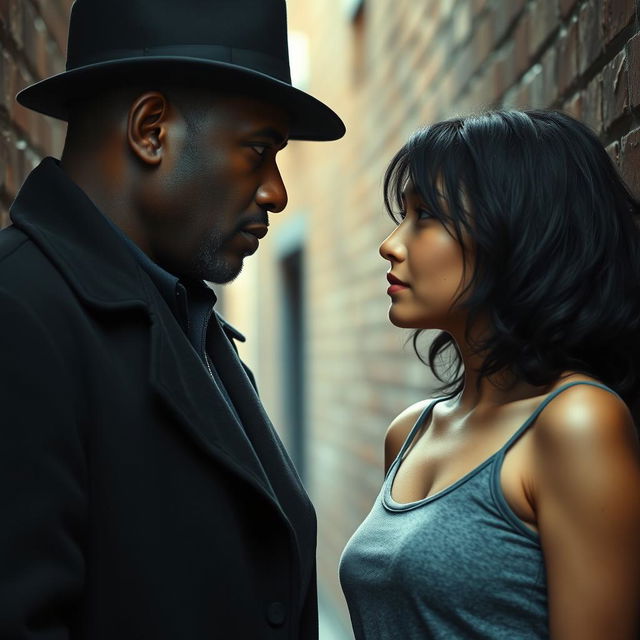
[(275, 461), (180, 379), (101, 269)]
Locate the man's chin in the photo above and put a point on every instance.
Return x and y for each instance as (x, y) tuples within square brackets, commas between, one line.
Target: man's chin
[(222, 274)]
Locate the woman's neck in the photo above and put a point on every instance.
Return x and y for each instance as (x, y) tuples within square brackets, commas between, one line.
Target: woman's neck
[(497, 389)]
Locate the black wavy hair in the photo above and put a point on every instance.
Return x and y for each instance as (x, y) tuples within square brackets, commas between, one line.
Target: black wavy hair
[(556, 246)]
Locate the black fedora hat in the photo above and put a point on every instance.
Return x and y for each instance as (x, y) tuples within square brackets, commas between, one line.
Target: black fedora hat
[(238, 44)]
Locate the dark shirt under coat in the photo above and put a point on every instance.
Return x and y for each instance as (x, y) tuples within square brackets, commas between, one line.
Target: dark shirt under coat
[(134, 503)]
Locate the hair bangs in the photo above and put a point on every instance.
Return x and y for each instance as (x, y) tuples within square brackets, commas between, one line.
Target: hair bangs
[(430, 163)]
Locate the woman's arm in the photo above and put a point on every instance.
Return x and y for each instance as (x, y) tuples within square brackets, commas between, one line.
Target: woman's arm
[(587, 499)]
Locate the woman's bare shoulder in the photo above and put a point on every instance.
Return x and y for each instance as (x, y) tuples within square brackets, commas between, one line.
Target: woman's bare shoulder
[(584, 412), (586, 492), (583, 429), (399, 429)]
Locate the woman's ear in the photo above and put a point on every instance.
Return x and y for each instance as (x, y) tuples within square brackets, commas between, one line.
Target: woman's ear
[(147, 127)]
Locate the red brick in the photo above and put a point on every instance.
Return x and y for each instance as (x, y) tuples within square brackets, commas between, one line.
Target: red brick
[(57, 20), (35, 42), (630, 161), (478, 6), (615, 90), (4, 160), (514, 7), (11, 168), (482, 42), (566, 7), (503, 14), (549, 77), (16, 22), (617, 15), (614, 152), (544, 21), (5, 10), (9, 80), (521, 38), (463, 68), (589, 34), (55, 60), (568, 57), (592, 104), (22, 119), (4, 60), (633, 56), (524, 97), (504, 70), (573, 106)]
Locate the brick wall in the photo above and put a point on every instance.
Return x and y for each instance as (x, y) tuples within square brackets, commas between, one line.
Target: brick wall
[(389, 69), (392, 67), (33, 37)]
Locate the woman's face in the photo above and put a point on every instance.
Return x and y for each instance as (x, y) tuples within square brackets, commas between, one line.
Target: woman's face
[(426, 269)]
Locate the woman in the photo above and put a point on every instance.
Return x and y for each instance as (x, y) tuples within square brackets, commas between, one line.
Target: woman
[(511, 504)]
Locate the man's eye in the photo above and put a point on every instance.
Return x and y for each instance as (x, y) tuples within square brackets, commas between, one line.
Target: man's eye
[(259, 148)]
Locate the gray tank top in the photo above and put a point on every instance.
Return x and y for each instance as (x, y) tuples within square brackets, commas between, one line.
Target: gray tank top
[(458, 564)]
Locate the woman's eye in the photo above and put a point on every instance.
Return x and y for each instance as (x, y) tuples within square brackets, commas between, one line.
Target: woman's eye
[(423, 214)]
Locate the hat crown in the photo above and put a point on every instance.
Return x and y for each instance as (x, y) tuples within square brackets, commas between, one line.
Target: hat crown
[(239, 45), (107, 29)]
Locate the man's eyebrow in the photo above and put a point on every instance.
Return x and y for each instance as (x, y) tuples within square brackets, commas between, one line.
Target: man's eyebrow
[(273, 133)]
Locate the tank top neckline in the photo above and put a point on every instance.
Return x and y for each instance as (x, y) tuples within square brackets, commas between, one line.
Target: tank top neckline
[(392, 505)]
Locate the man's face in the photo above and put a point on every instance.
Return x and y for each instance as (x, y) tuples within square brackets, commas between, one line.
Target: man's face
[(205, 205)]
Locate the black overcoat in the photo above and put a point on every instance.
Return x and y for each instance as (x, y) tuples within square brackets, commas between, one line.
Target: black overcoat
[(132, 503)]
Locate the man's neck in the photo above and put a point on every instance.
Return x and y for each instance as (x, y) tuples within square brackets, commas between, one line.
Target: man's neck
[(105, 181)]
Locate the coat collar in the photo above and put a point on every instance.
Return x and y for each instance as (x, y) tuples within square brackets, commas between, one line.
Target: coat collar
[(85, 248), (61, 219)]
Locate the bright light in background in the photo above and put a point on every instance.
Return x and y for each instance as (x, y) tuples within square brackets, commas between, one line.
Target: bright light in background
[(299, 59)]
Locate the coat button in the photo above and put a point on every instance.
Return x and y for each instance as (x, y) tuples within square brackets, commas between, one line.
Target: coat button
[(276, 614)]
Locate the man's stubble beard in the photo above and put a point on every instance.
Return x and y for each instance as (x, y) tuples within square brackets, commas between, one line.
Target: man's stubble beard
[(210, 265)]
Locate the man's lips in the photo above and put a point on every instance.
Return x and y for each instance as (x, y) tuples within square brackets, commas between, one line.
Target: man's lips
[(257, 230), (251, 234)]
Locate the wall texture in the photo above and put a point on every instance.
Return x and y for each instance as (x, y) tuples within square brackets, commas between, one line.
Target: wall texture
[(33, 36), (388, 67)]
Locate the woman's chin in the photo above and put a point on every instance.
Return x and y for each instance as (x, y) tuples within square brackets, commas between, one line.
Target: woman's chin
[(400, 320)]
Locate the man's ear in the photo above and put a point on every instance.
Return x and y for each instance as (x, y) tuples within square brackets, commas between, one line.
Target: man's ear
[(147, 126)]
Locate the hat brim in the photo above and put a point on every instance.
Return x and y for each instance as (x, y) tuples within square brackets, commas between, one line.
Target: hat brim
[(311, 119)]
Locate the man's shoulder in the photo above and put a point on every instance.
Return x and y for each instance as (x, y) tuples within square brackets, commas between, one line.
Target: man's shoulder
[(12, 240), (27, 273)]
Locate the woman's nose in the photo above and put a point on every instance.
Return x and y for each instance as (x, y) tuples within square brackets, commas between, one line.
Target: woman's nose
[(392, 248)]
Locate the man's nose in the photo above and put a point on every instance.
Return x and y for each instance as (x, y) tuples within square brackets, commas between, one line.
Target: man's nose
[(272, 194)]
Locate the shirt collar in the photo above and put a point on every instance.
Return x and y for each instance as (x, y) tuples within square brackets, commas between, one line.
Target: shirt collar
[(184, 297)]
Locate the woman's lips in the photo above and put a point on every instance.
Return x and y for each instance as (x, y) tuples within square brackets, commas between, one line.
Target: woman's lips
[(396, 284)]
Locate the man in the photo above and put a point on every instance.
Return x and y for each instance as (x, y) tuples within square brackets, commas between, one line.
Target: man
[(144, 493)]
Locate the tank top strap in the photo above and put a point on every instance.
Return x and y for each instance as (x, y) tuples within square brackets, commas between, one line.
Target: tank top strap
[(426, 412), (531, 419)]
